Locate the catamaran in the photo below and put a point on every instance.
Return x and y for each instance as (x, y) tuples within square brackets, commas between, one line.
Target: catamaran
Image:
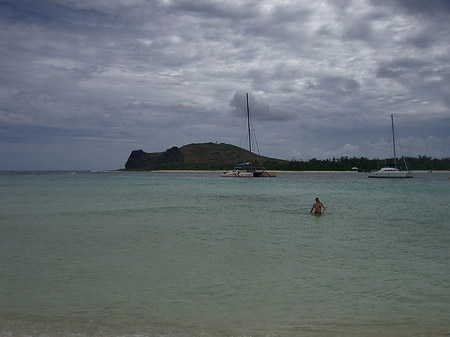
[(246, 170), (392, 172)]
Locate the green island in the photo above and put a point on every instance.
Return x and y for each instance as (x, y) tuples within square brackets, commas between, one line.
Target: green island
[(220, 156)]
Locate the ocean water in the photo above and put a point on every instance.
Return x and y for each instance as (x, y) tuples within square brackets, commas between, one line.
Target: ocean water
[(194, 254)]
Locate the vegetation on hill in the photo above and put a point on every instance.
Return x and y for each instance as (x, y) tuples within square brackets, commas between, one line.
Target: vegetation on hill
[(214, 156)]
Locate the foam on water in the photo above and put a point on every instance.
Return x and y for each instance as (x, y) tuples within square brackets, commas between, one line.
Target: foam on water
[(194, 254)]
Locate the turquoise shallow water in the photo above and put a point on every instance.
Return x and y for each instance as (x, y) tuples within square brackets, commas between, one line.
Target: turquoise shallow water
[(194, 254)]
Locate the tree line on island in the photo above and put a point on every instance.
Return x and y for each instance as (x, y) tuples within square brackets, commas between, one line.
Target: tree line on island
[(362, 164), (215, 156)]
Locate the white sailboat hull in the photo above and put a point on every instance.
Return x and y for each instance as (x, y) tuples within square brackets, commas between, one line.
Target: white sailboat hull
[(237, 174), (390, 173), (247, 174)]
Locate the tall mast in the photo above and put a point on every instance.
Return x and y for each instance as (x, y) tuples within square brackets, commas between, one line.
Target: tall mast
[(393, 140), (249, 136)]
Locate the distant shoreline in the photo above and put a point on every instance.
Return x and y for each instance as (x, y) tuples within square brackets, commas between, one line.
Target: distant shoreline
[(218, 171), (190, 171)]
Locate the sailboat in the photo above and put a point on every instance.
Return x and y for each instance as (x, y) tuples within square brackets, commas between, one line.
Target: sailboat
[(246, 170), (392, 172)]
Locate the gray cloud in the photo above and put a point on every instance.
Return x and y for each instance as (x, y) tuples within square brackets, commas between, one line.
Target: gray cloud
[(112, 76)]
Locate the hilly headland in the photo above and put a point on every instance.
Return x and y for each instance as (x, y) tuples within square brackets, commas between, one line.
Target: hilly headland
[(202, 156)]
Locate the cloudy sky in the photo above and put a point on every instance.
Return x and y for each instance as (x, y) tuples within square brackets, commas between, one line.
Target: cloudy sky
[(85, 82)]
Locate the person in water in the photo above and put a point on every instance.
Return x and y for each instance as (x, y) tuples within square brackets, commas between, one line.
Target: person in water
[(317, 207)]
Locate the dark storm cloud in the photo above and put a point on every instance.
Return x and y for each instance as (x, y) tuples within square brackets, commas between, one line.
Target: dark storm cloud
[(111, 76), (259, 110), (338, 85), (222, 10), (388, 73), (424, 7)]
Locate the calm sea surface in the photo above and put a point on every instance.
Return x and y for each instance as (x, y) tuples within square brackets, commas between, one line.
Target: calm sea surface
[(193, 254)]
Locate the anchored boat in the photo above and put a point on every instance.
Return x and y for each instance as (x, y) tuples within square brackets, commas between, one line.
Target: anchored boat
[(392, 172), (246, 170)]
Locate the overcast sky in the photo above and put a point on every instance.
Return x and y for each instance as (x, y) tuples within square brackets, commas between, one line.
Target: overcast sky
[(85, 82)]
